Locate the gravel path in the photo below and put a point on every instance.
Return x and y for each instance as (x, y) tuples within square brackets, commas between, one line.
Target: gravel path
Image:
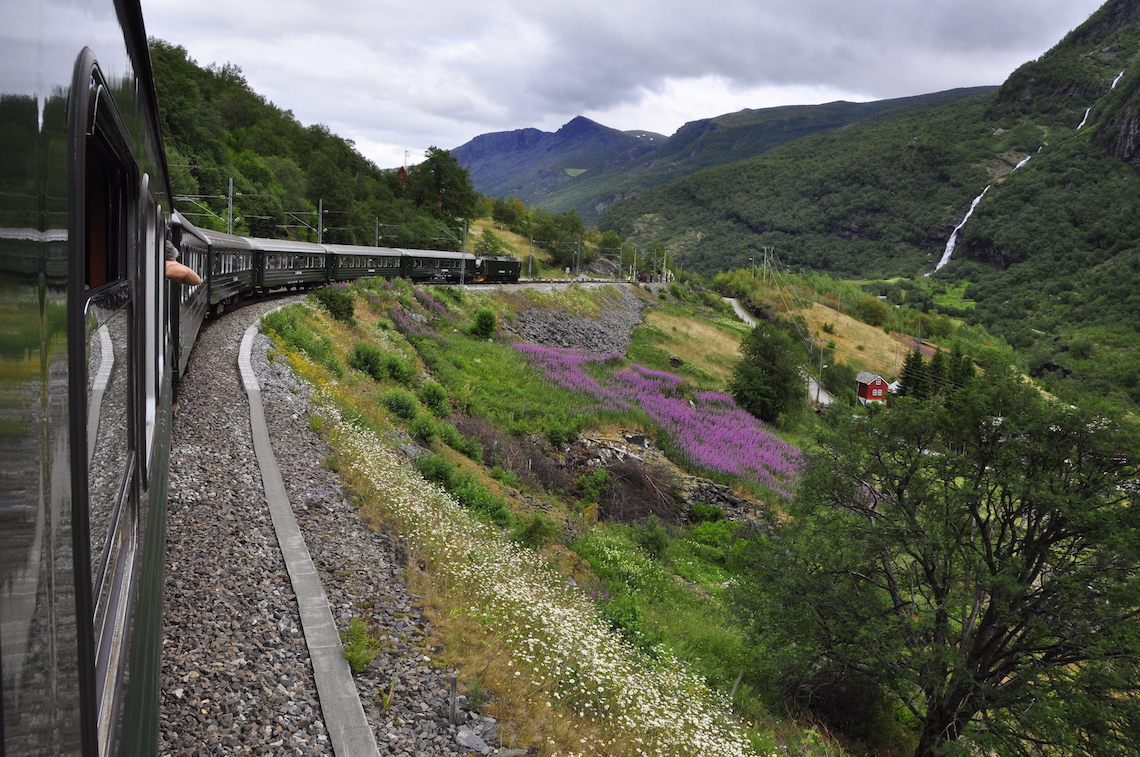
[(236, 672)]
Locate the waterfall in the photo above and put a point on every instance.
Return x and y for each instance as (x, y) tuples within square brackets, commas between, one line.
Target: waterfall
[(1019, 165), (1117, 79), (953, 240), (1085, 119)]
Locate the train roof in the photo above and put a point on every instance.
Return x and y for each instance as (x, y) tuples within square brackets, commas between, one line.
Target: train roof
[(209, 237), (285, 245), (222, 240), (437, 254), (358, 249)]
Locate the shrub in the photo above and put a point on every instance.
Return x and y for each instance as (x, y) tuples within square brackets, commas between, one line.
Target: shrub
[(536, 530), (485, 324), (400, 403), (422, 428), (702, 513), (449, 435), (400, 370), (338, 302), (435, 469), (714, 533), (467, 491), (510, 478), (593, 484), (624, 617), (434, 398), (368, 358), (290, 328), (652, 537)]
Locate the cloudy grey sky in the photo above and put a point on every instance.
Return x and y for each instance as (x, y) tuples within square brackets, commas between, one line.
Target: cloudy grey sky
[(399, 76)]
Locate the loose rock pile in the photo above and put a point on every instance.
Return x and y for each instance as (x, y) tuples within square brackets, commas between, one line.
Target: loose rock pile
[(609, 332)]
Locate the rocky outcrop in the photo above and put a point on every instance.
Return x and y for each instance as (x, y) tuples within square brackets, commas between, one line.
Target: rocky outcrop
[(1120, 135)]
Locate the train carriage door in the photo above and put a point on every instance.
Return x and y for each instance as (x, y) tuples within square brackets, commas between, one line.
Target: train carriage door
[(108, 350)]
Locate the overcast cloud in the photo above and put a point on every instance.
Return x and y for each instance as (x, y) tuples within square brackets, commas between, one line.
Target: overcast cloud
[(399, 76)]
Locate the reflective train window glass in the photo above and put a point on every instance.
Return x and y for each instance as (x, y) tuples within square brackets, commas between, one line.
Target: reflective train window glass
[(116, 344), (108, 415)]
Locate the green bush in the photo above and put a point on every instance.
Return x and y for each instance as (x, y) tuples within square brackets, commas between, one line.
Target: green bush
[(536, 530), (338, 302), (369, 359), (593, 484), (485, 324), (434, 398), (289, 326), (702, 513), (449, 435), (422, 428), (400, 403), (652, 537), (467, 491), (510, 478), (435, 469), (400, 370)]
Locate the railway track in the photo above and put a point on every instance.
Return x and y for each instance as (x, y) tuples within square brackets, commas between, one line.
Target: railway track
[(238, 674)]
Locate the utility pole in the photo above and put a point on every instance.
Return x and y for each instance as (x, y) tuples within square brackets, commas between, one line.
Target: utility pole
[(768, 251), (230, 208)]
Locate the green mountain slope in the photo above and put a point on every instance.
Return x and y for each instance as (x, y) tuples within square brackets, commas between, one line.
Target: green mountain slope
[(722, 140), (586, 167), (1052, 253), (868, 200)]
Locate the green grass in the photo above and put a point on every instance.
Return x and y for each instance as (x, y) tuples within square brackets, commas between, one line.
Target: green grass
[(492, 380)]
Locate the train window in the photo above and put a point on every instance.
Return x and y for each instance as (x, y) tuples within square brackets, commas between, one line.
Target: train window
[(111, 347), (108, 416), (104, 219)]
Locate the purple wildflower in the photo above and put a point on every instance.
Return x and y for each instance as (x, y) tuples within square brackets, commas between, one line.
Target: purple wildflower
[(712, 432)]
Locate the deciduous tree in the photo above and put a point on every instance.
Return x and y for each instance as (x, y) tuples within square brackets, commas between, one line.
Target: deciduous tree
[(972, 559), (768, 380)]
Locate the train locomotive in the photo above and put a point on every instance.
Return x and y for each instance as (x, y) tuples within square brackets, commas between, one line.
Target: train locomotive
[(92, 341)]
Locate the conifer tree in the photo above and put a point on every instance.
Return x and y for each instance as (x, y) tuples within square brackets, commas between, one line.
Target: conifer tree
[(913, 377)]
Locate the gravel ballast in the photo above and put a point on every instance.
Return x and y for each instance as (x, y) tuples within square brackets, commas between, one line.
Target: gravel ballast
[(236, 675)]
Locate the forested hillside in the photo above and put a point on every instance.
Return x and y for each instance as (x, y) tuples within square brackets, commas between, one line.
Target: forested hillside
[(283, 173), (1052, 254)]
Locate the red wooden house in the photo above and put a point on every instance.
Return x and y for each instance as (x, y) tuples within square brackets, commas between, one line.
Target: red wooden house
[(871, 387)]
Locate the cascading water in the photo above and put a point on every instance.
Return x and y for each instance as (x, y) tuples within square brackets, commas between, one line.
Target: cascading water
[(953, 240)]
